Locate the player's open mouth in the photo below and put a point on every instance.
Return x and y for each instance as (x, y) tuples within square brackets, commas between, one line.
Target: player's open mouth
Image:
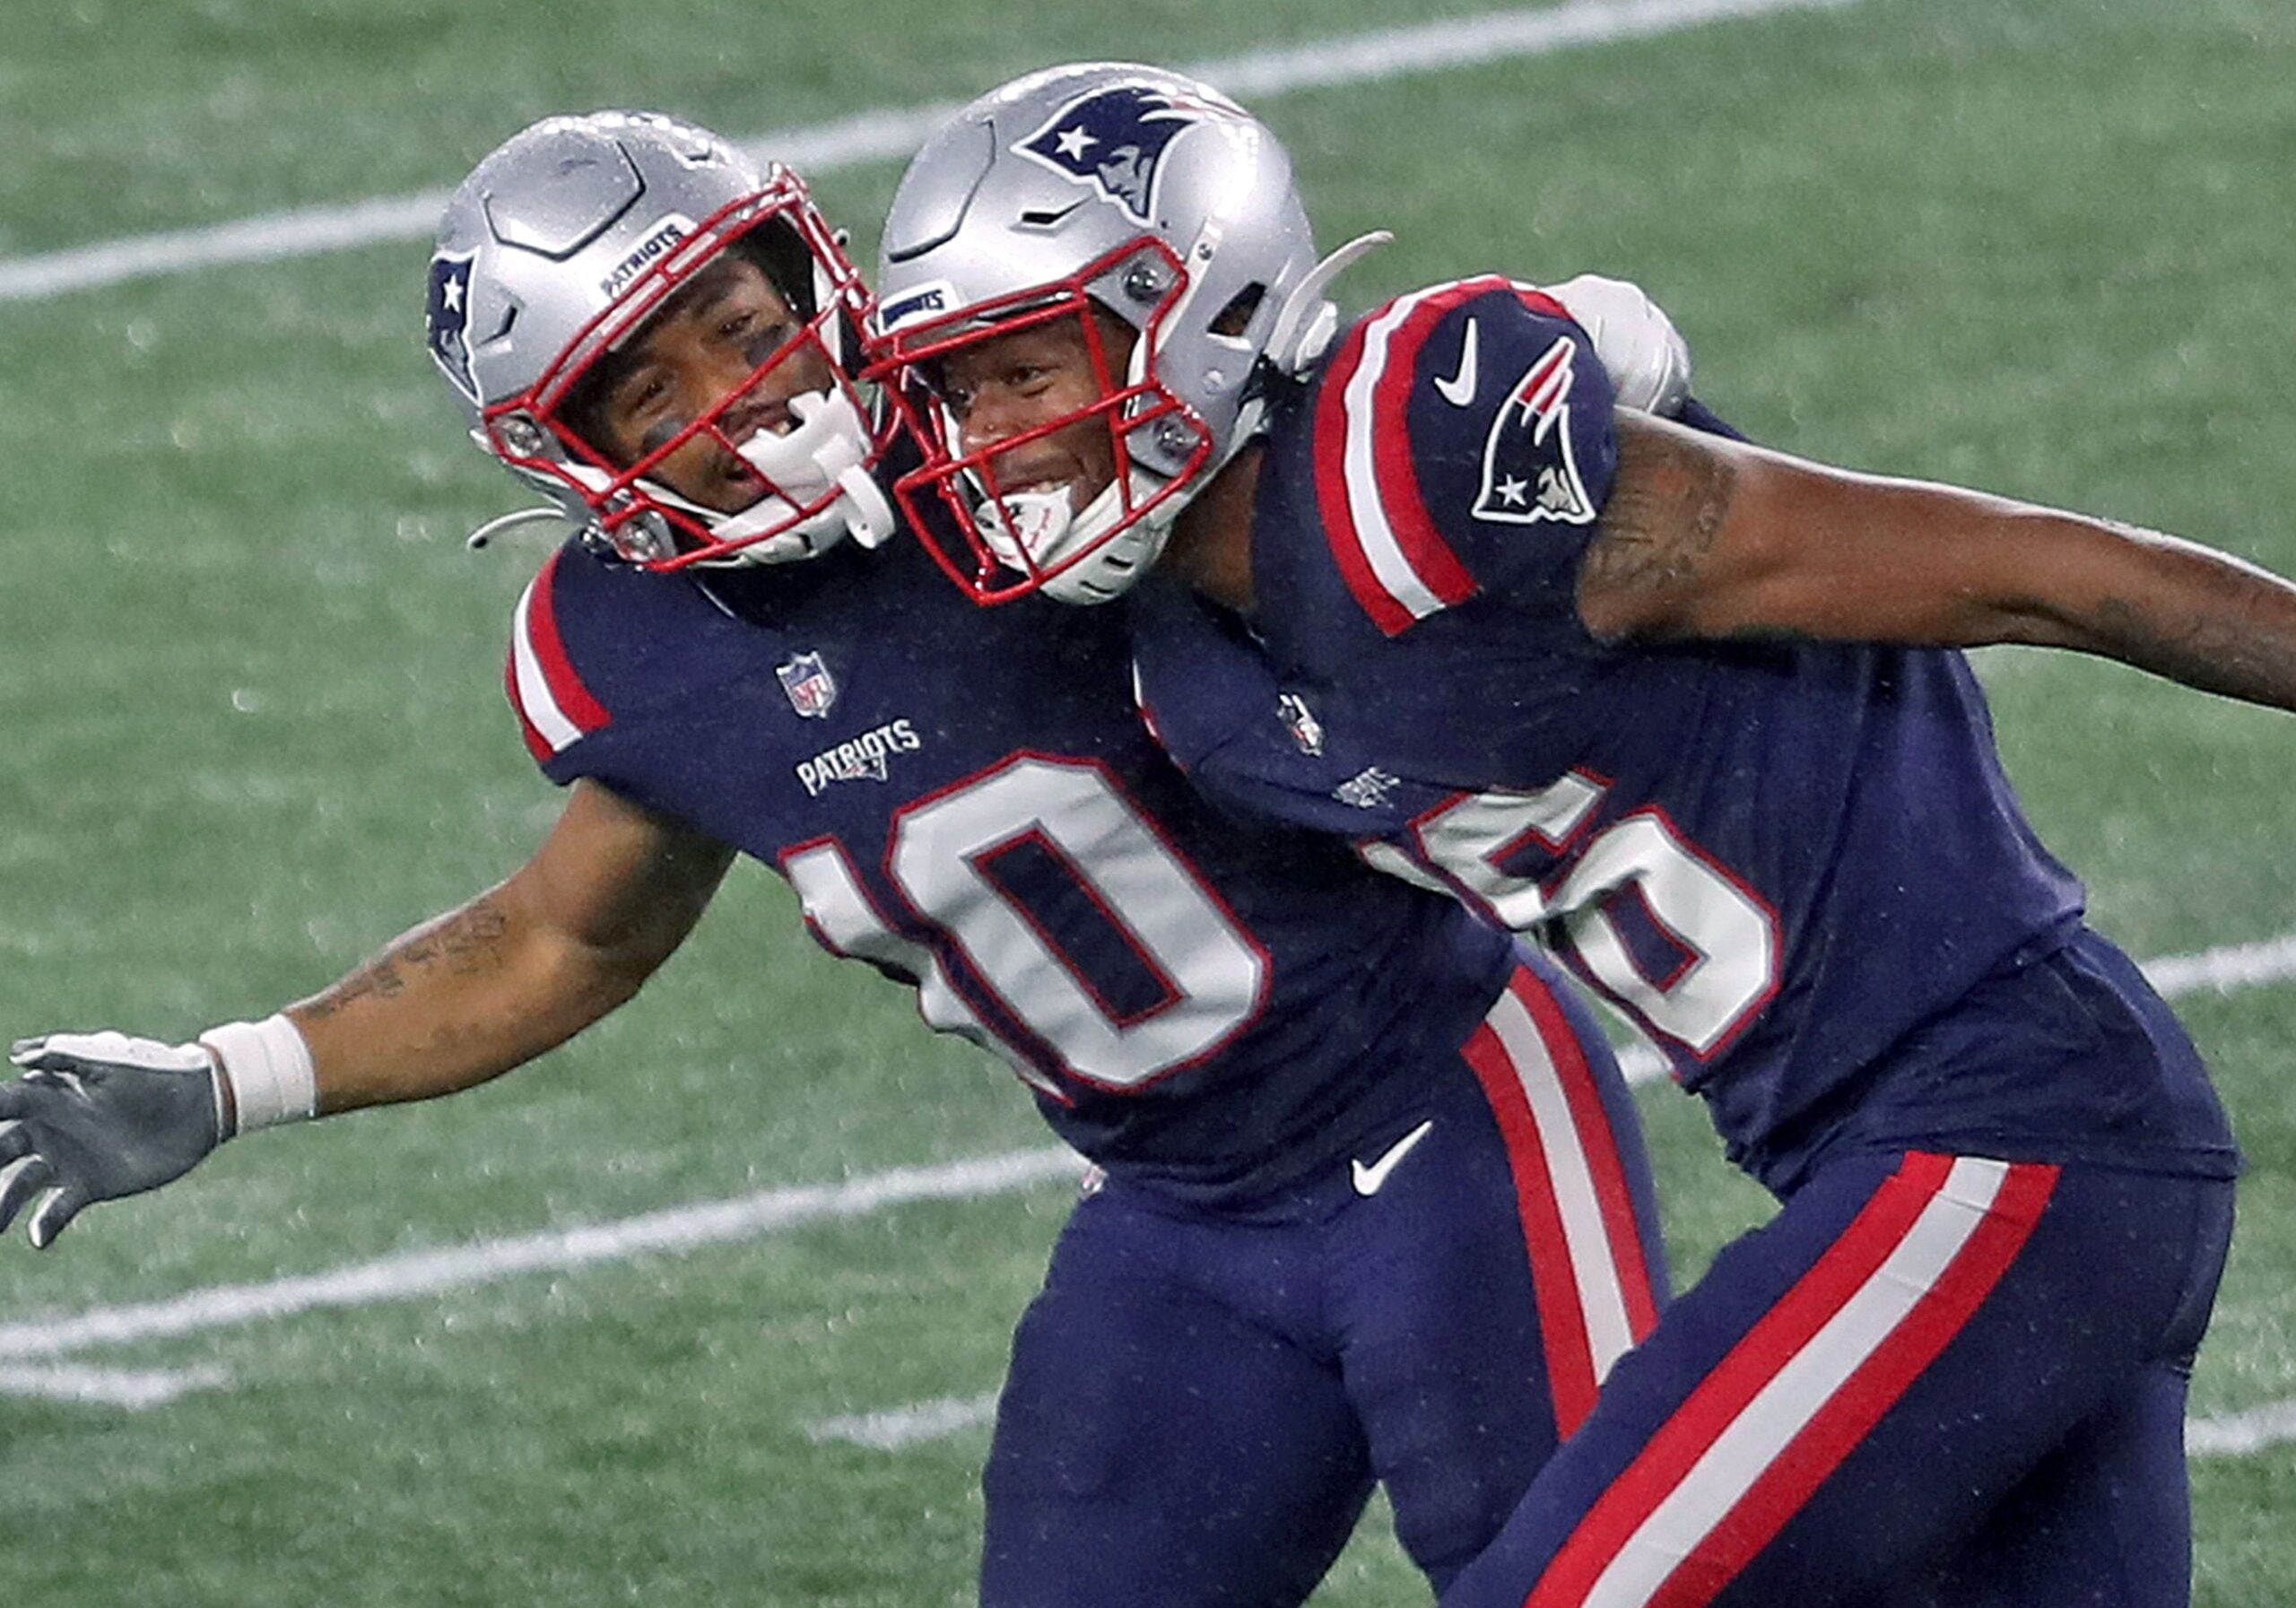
[(743, 484), (1038, 477), (738, 472)]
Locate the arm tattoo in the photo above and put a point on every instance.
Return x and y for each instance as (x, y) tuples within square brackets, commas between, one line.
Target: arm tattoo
[(465, 943), (2185, 612), (1666, 503), (2245, 650)]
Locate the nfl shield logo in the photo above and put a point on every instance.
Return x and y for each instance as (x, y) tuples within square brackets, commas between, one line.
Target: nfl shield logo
[(1300, 720), (812, 688)]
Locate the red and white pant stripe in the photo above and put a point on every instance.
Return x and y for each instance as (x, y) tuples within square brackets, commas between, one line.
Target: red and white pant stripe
[(1761, 1432), (1588, 1265)]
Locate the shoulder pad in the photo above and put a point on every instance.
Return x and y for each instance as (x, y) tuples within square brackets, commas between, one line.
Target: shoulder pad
[(1445, 419)]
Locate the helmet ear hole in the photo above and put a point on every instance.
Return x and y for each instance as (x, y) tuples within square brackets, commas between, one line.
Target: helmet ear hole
[(1235, 318), (782, 256)]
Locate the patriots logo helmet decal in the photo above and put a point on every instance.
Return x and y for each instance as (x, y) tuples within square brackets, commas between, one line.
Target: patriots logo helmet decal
[(1114, 139), (1530, 471), (446, 319)]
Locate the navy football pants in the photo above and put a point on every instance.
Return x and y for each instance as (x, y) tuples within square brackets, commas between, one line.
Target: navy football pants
[(1929, 1379), (1201, 1401)]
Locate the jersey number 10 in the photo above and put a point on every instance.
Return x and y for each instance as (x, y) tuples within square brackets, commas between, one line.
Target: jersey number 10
[(1195, 978)]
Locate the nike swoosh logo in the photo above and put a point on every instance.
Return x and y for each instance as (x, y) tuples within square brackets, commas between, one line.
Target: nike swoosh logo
[(1459, 389), (1368, 1180)]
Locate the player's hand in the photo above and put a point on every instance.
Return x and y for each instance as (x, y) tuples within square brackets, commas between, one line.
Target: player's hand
[(1648, 359), (100, 1116)]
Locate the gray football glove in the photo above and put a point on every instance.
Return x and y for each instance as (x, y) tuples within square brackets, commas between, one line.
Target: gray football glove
[(100, 1116), (1648, 359)]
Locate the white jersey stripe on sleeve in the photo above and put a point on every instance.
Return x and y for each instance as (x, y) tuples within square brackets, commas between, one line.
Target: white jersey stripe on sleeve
[(1381, 548), (538, 706)]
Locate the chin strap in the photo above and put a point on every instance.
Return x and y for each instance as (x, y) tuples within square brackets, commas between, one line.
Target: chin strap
[(1033, 531), (500, 523), (1306, 322), (1024, 525)]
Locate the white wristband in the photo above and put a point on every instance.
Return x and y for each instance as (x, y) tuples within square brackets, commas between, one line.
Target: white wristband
[(269, 1069)]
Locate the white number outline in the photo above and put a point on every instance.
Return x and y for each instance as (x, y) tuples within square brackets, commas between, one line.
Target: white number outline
[(1172, 994), (1704, 1006), (845, 919)]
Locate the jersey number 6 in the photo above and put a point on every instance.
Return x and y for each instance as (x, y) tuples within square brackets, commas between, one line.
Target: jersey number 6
[(1672, 937)]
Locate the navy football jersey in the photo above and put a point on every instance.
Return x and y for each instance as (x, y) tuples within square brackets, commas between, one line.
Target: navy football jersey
[(1794, 866), (967, 799)]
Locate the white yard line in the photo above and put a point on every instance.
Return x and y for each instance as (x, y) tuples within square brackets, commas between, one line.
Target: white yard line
[(892, 132), (2233, 966), (2237, 1434), (134, 1388), (423, 1272), (901, 1427)]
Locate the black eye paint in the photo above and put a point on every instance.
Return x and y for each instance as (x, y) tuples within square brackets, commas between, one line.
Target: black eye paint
[(658, 435), (759, 345)]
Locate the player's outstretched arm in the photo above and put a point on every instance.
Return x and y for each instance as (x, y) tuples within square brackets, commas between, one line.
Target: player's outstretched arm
[(1704, 537), (608, 897)]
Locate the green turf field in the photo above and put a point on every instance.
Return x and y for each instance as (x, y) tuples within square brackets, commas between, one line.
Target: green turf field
[(254, 727)]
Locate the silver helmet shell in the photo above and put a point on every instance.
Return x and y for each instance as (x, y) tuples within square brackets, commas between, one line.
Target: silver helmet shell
[(1135, 190), (556, 250)]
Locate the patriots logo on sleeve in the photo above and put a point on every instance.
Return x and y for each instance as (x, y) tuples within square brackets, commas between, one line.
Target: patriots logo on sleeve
[(1114, 139), (446, 319), (1530, 472)]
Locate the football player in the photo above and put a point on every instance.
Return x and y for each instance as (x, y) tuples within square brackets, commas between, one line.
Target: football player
[(1371, 1201), (1690, 713)]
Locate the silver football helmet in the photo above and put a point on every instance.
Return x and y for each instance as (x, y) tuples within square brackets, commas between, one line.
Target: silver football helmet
[(1128, 190), (555, 253)]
